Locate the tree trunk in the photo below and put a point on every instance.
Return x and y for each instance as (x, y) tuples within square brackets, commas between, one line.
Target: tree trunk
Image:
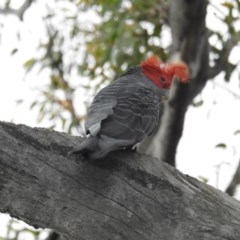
[(189, 44), (125, 196)]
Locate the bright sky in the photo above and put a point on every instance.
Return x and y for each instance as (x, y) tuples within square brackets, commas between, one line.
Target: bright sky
[(205, 126)]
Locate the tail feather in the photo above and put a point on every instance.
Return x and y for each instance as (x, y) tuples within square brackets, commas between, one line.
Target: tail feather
[(107, 144), (95, 155), (95, 147), (87, 145)]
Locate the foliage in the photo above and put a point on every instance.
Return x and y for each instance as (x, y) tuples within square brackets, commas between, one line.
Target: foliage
[(16, 230), (99, 40), (120, 34), (224, 42)]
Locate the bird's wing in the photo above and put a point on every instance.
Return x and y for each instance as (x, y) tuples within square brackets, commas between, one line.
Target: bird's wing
[(101, 107), (135, 115), (104, 102)]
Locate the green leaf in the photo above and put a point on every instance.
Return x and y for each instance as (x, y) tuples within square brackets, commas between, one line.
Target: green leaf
[(33, 232), (198, 103), (19, 101), (221, 145), (33, 104), (203, 179), (29, 64), (63, 123), (14, 51), (55, 81), (237, 132), (228, 5), (7, 4)]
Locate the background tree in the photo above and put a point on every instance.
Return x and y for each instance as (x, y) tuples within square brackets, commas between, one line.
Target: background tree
[(121, 34)]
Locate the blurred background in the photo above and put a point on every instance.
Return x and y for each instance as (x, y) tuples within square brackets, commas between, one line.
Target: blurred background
[(56, 54)]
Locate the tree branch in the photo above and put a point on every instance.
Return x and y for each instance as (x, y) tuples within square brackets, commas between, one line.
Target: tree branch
[(125, 196), (222, 62), (18, 12), (235, 182)]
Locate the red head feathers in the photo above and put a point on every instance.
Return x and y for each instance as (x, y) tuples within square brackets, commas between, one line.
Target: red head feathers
[(162, 74)]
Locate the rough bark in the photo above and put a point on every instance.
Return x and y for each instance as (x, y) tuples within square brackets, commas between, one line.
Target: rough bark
[(125, 196), (189, 44)]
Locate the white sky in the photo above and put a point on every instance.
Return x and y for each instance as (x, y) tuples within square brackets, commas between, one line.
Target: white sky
[(212, 123)]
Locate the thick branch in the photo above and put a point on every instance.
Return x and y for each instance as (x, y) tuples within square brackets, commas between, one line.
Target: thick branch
[(126, 196)]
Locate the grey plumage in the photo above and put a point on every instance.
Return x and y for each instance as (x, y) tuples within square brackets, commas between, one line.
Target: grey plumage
[(122, 114)]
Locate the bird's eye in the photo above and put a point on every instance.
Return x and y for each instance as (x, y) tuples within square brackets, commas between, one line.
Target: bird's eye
[(163, 80)]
